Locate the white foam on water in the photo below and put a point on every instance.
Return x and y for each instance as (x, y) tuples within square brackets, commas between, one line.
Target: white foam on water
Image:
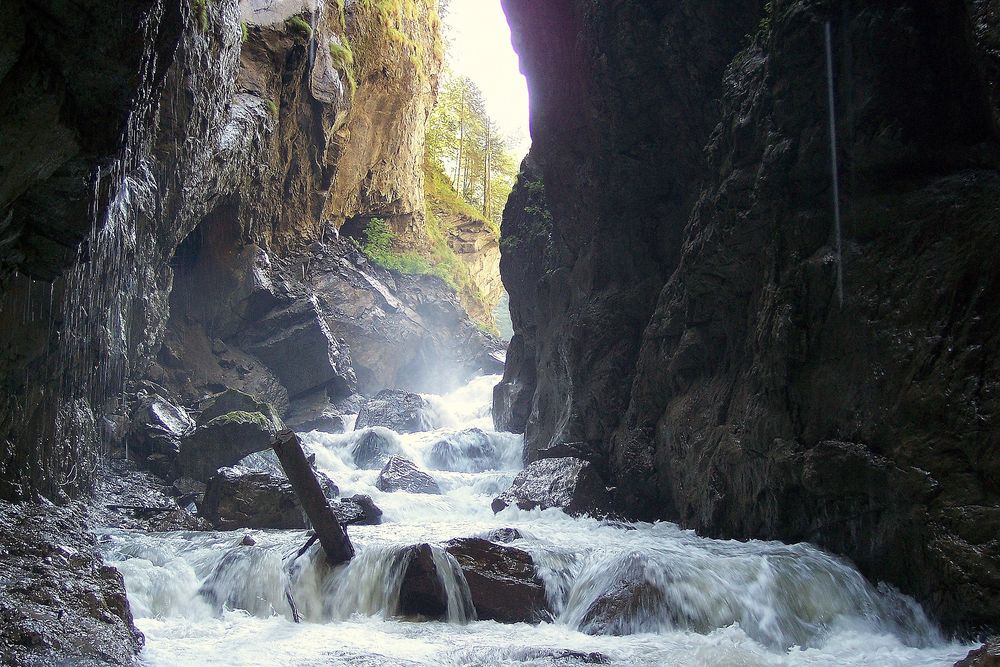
[(203, 599)]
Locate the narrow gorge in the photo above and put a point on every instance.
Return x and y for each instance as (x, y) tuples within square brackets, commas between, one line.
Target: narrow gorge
[(744, 413)]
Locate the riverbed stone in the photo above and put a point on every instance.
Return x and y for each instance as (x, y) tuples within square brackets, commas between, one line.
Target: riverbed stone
[(987, 655), (374, 448), (399, 474), (470, 450), (397, 410), (568, 483), (502, 581)]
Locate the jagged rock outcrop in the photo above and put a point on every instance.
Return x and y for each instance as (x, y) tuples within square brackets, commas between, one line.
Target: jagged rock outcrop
[(399, 474), (502, 581), (567, 483), (688, 326), (397, 410)]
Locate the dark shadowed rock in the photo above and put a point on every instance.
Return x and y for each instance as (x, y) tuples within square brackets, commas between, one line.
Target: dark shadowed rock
[(241, 498), (988, 655), (401, 475), (560, 657), (502, 581), (360, 510), (567, 483), (373, 449), (397, 410), (157, 428), (421, 593), (223, 441), (466, 451)]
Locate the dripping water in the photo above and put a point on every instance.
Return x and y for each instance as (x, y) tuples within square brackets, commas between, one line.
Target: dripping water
[(834, 161)]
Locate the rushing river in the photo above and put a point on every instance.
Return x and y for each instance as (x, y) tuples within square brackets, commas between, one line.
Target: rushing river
[(730, 603)]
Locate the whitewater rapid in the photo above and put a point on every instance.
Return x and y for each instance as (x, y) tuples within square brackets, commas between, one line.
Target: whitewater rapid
[(201, 599)]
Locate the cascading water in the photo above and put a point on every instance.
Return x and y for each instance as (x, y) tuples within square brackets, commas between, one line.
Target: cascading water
[(201, 598)]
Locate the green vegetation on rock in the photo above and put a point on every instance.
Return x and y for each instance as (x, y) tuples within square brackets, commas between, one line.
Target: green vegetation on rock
[(240, 417), (200, 9), (299, 25), (343, 60)]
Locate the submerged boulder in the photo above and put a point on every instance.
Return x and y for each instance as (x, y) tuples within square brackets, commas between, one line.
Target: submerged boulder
[(223, 441), (504, 535), (502, 581), (401, 475), (241, 498), (568, 483), (397, 410), (466, 451), (629, 603), (373, 449)]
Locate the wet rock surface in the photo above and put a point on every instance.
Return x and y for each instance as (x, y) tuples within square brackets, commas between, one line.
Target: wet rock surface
[(137, 500), (629, 604), (988, 655), (358, 509), (241, 498), (373, 450), (59, 602), (701, 348), (502, 581), (465, 451), (567, 483), (223, 441), (400, 474), (396, 410), (422, 592)]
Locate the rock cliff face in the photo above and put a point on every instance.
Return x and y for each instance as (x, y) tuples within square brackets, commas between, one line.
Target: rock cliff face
[(686, 329), (207, 170)]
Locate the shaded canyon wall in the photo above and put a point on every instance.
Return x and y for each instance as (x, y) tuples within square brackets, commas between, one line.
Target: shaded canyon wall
[(683, 330)]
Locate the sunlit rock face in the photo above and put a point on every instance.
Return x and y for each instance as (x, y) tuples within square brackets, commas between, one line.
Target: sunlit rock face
[(686, 322)]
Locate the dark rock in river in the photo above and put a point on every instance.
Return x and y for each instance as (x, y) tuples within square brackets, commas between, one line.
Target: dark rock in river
[(157, 427), (59, 603), (988, 655), (241, 498), (629, 604), (466, 451), (400, 474), (502, 581), (223, 441), (373, 449), (567, 483), (504, 535), (560, 657), (359, 509), (397, 410), (422, 592)]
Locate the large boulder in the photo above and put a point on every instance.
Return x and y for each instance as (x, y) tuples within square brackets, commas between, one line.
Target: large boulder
[(502, 581), (241, 498), (223, 441), (157, 428), (374, 449), (568, 483), (233, 400), (401, 475), (423, 592), (466, 451), (360, 510), (629, 603), (394, 409)]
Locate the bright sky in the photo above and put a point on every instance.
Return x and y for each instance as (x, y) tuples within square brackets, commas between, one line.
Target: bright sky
[(479, 48)]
